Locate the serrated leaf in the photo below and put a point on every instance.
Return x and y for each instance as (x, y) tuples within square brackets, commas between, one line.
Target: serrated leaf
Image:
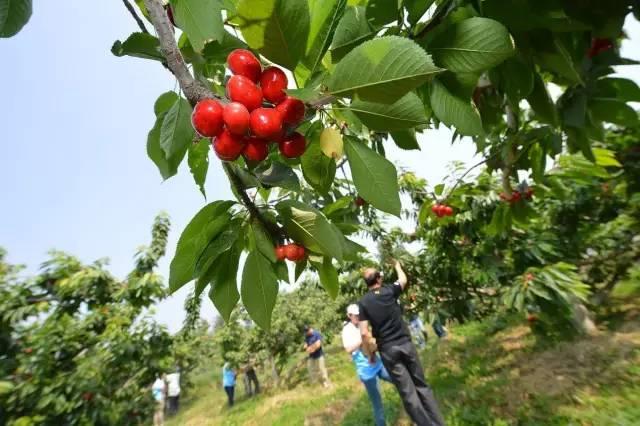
[(541, 102), (328, 276), (263, 241), (405, 139), (405, 113), (14, 15), (605, 158), (382, 70), (138, 45), (176, 132), (259, 289), (164, 102), (280, 175), (325, 16), (454, 111), (198, 161), (202, 228), (381, 12), (472, 45), (201, 20), (278, 29), (353, 29), (375, 177), (224, 287), (216, 247), (318, 169), (416, 9), (167, 167), (310, 227)]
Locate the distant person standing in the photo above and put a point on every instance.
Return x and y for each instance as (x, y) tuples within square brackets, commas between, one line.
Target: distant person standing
[(173, 392), (159, 390), (369, 368), (379, 308), (252, 379), (229, 381), (316, 364)]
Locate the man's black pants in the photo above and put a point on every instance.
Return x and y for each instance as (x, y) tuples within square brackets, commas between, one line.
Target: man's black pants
[(403, 365)]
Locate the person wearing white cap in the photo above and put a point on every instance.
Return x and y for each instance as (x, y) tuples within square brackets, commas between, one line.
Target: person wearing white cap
[(369, 368)]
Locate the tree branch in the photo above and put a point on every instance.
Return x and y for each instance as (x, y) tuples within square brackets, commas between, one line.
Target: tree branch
[(193, 89), (275, 231), (133, 13)]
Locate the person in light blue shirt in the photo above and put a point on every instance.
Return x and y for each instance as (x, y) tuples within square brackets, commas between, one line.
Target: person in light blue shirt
[(368, 369), (229, 381)]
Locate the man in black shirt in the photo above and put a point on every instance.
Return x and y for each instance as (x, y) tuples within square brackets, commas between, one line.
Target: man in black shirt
[(379, 307)]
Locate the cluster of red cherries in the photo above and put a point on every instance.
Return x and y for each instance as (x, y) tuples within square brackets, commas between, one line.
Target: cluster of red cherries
[(292, 252), (516, 196), (260, 112), (442, 210)]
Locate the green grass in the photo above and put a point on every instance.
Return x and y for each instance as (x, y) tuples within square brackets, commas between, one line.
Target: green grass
[(493, 372)]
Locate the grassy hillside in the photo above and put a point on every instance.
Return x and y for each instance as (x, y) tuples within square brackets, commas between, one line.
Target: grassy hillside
[(493, 372)]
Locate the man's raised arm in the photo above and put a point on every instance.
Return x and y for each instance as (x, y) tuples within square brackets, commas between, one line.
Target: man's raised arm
[(402, 277)]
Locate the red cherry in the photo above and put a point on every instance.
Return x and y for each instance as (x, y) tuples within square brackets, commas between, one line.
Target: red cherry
[(292, 110), (301, 253), (448, 211), (532, 318), (515, 197), (28, 350), (227, 146), (529, 194), (291, 252), (360, 201), (207, 117), (256, 149), (87, 396), (599, 45), (243, 90), (293, 146), (266, 123), (273, 82), (280, 253), (434, 208), (243, 62), (236, 118)]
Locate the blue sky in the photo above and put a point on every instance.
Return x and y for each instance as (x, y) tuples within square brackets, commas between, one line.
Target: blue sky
[(73, 165)]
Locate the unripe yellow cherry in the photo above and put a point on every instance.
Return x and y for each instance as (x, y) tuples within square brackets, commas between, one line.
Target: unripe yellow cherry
[(331, 143)]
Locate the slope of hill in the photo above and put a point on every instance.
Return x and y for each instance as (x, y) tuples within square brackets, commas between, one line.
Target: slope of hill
[(493, 372)]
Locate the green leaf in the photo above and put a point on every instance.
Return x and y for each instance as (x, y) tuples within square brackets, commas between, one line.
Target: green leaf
[(328, 276), (471, 45), (538, 160), (139, 45), (454, 111), (201, 20), (325, 16), (438, 189), (416, 9), (621, 89), (259, 289), (216, 51), (425, 210), (282, 272), (405, 139), (382, 70), (217, 246), (381, 12), (224, 287), (541, 102), (167, 166), (338, 206), (176, 132), (278, 29), (280, 175), (264, 244), (605, 158), (310, 227), (613, 111), (560, 62), (405, 113), (353, 29), (318, 169), (375, 177), (199, 162), (195, 238), (14, 14), (516, 79), (300, 267), (164, 102)]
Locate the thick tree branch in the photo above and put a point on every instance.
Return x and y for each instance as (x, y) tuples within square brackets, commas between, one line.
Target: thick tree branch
[(133, 13), (192, 88)]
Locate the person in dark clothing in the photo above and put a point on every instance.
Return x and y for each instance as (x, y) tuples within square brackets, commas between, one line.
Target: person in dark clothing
[(379, 308), (315, 362), (252, 378)]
